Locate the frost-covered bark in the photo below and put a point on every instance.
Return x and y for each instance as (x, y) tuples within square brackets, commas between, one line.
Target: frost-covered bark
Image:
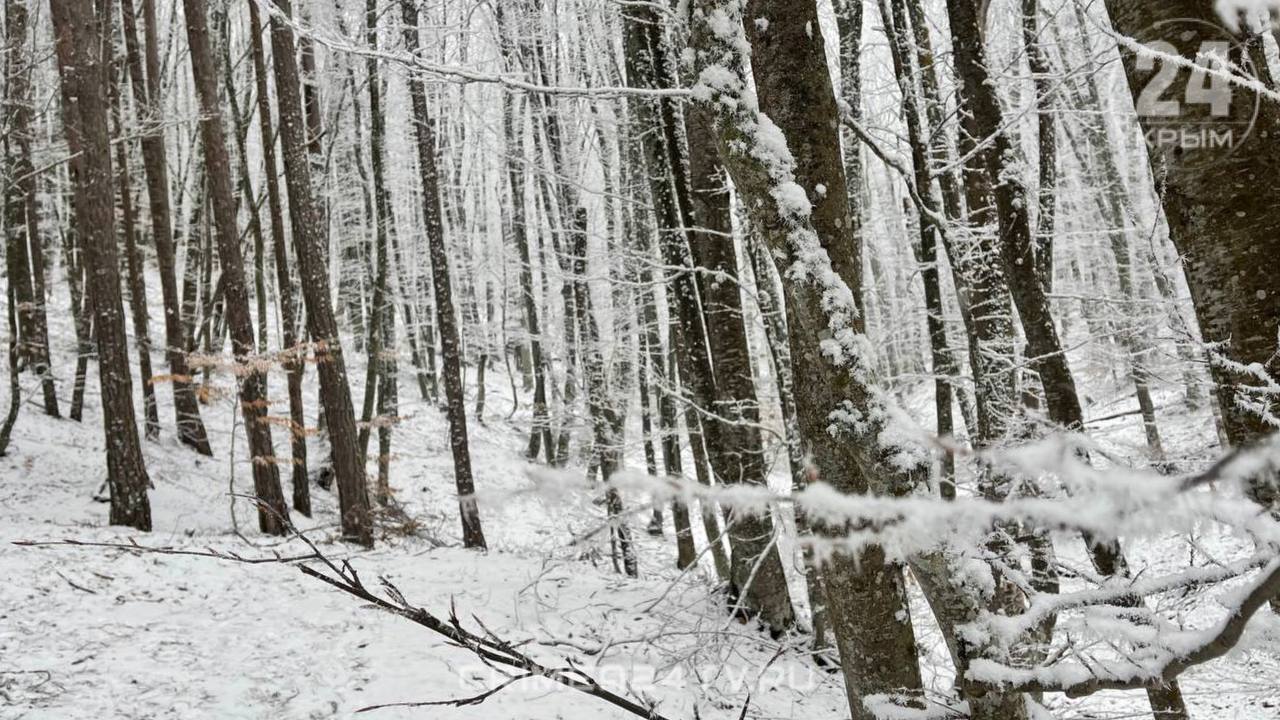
[(790, 177)]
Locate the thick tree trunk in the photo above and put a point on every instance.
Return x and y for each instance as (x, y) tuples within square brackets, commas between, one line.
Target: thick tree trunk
[(1222, 227), (146, 92), (252, 376), (79, 35), (292, 354), (335, 395), (808, 227), (472, 533)]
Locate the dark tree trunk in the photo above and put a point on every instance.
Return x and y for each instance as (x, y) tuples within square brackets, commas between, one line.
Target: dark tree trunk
[(1046, 141), (146, 91), (79, 36), (383, 315), (930, 229), (606, 411), (82, 313), (292, 354), (335, 395), (133, 260), (24, 254), (715, 365), (997, 194), (472, 533), (1223, 228), (15, 384), (272, 512)]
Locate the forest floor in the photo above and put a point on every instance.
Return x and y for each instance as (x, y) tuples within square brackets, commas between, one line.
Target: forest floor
[(92, 633)]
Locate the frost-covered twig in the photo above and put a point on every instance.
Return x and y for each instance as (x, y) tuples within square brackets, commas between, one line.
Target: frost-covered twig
[(1085, 679)]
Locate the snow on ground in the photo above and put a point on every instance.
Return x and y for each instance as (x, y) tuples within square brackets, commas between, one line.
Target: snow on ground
[(102, 633)]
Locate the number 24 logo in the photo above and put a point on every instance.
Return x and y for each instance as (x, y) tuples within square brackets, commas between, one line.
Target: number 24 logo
[(1202, 87)]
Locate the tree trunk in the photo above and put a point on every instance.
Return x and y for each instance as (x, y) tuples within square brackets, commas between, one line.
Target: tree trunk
[(292, 354), (1224, 230), (335, 395), (383, 315), (79, 36), (809, 227), (133, 260), (472, 533), (252, 377), (146, 93), (715, 365), (25, 250)]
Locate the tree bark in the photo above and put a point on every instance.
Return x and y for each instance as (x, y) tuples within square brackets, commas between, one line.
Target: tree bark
[(24, 254), (866, 594), (335, 395), (472, 533), (252, 376), (79, 36), (133, 261), (716, 366), (146, 93), (292, 355)]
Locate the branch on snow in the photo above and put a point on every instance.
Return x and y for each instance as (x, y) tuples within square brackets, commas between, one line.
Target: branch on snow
[(341, 575)]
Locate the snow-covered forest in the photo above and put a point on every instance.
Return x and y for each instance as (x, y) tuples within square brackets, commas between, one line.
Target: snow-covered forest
[(662, 359)]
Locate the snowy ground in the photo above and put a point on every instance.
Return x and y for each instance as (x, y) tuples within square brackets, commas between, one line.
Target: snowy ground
[(100, 633)]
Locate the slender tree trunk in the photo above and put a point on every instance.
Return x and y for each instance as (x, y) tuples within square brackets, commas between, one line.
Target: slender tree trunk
[(926, 250), (82, 313), (513, 128), (335, 395), (146, 93), (25, 250), (1046, 142), (383, 315), (716, 365), (15, 384), (272, 512), (472, 533), (79, 36), (607, 418), (133, 260), (292, 354)]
